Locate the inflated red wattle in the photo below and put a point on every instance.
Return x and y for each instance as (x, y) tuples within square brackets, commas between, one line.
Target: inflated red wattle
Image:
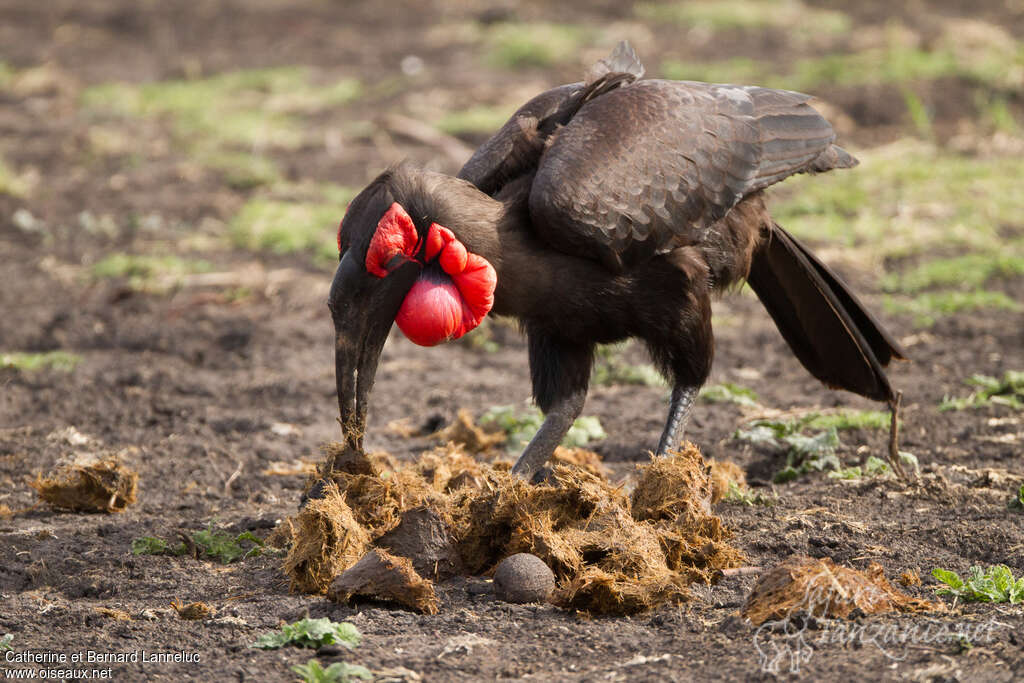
[(447, 305), (431, 313)]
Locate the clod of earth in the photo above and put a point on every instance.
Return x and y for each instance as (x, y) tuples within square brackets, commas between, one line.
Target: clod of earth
[(610, 554), (89, 485), (426, 539), (379, 575), (193, 611), (801, 585), (523, 578)]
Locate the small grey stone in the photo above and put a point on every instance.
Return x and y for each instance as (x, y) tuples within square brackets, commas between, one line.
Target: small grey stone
[(523, 578)]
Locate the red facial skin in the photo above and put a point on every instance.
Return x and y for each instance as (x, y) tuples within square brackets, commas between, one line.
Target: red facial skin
[(440, 305), (395, 237)]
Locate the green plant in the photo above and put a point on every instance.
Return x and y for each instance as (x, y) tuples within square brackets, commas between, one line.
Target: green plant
[(994, 584), (739, 495), (5, 642), (520, 426), (152, 545), (1008, 391), (208, 543), (873, 467), (338, 672), (311, 633), (222, 546), (804, 453), (30, 362), (1018, 499)]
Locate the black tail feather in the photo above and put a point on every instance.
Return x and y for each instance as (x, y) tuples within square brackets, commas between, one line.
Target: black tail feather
[(828, 329)]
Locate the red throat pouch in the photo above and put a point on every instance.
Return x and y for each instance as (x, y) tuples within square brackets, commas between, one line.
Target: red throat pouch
[(447, 301)]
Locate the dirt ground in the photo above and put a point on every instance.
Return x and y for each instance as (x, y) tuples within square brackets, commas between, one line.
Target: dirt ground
[(204, 389)]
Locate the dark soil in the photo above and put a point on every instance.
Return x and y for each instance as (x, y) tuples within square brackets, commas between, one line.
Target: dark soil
[(201, 393)]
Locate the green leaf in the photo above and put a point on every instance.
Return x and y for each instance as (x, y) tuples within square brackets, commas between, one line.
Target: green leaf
[(5, 642), (947, 577)]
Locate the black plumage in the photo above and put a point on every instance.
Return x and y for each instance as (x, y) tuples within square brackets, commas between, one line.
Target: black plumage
[(614, 208)]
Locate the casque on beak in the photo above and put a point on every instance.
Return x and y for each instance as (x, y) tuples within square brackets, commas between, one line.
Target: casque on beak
[(363, 308)]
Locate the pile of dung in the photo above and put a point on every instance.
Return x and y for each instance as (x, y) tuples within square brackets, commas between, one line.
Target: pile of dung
[(801, 585), (89, 484), (725, 474), (325, 540), (611, 553)]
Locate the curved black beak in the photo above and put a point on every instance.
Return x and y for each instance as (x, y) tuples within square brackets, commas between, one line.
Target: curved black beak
[(363, 308)]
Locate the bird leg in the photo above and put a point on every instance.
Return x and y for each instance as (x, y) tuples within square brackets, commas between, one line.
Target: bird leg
[(678, 413), (556, 425), (560, 372)]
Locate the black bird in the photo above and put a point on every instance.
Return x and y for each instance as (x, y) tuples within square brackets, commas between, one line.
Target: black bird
[(603, 210)]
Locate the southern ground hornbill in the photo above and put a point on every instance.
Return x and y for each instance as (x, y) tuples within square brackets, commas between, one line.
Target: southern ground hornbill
[(603, 210)]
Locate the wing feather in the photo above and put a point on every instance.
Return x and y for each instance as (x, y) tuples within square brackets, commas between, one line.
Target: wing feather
[(654, 164)]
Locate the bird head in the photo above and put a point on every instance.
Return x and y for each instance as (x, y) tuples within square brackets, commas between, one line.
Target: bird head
[(397, 264)]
